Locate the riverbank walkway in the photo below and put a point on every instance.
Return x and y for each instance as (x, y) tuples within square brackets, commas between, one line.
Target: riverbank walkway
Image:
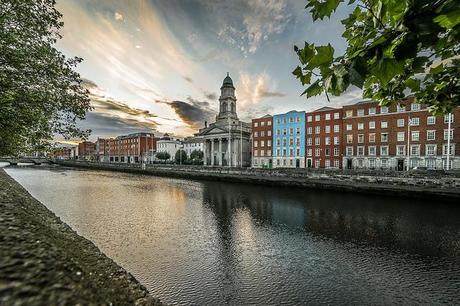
[(44, 262)]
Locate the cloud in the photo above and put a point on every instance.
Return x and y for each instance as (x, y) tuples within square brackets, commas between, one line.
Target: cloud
[(251, 89), (188, 79), (210, 95), (193, 112), (118, 16)]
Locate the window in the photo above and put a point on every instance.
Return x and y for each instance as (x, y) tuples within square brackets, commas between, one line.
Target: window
[(278, 142), (262, 153), (431, 164), (297, 151), (262, 123), (269, 143), (349, 138), (309, 118), (277, 162), (256, 124), (327, 152), (360, 112), (446, 134), (349, 151), (284, 152), (451, 151), (336, 140), (327, 140), (262, 133), (384, 163), (349, 127), (361, 138), (400, 123), (360, 151), (372, 150), (372, 137), (309, 152), (297, 141), (278, 132), (284, 131), (317, 152), (256, 144), (384, 109), (446, 118), (349, 113), (336, 116), (317, 117), (327, 163), (317, 163), (309, 130), (317, 141), (317, 129), (384, 150), (384, 124), (430, 135), (415, 107), (269, 123), (269, 133), (336, 128), (309, 141), (372, 163), (262, 143), (400, 108), (415, 121), (371, 124), (400, 150), (415, 135), (430, 149), (328, 129), (291, 131), (256, 134), (278, 121), (372, 111), (328, 116), (291, 141), (336, 151), (400, 136), (415, 150), (298, 119), (336, 163), (291, 152), (284, 142), (291, 119), (431, 120), (297, 131), (284, 120), (361, 126)]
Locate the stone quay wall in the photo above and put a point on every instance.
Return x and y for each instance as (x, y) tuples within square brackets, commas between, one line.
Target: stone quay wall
[(435, 184), (44, 262)]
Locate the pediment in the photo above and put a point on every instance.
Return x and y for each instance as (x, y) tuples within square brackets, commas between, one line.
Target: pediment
[(213, 131)]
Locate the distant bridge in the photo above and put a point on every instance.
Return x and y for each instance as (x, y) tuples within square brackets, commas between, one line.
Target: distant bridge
[(32, 160)]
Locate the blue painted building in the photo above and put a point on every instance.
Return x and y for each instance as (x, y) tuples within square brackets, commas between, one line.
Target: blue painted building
[(289, 140)]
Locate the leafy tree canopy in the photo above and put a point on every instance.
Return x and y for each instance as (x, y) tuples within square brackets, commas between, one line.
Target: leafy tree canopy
[(395, 48), (180, 157), (40, 93), (196, 155), (163, 155)]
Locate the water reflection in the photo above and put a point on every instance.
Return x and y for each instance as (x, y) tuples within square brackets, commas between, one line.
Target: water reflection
[(214, 243)]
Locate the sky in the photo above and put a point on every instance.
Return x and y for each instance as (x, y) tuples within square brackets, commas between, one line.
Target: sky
[(158, 65)]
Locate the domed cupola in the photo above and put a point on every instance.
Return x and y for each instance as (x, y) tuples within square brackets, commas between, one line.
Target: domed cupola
[(227, 100)]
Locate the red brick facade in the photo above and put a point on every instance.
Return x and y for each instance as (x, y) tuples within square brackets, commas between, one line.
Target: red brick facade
[(324, 138), (262, 129)]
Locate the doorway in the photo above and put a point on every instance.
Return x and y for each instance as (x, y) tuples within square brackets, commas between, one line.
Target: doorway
[(349, 163), (400, 164)]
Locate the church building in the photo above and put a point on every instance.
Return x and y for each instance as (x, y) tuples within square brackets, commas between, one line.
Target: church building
[(226, 142)]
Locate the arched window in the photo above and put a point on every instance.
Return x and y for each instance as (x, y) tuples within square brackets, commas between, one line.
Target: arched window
[(233, 107), (224, 107)]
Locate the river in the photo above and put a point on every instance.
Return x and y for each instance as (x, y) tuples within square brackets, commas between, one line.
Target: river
[(213, 243)]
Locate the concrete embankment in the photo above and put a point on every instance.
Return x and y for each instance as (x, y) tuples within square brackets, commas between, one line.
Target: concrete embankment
[(433, 184), (44, 262)]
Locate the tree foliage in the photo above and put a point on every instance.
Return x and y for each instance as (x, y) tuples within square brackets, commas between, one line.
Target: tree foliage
[(395, 48), (40, 93), (163, 155), (180, 157), (197, 155)]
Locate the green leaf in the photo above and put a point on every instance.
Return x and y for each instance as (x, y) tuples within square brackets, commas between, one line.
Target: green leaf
[(324, 56), (323, 8), (449, 20), (386, 69), (313, 90)]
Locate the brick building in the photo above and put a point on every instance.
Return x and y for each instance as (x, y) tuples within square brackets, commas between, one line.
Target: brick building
[(262, 129), (398, 136), (324, 138), (289, 140), (132, 148), (87, 150)]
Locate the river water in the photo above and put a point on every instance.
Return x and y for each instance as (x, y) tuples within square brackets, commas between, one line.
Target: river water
[(213, 243)]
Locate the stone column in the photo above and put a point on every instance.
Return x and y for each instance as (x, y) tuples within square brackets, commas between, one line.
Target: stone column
[(220, 152), (229, 159), (205, 153), (212, 152)]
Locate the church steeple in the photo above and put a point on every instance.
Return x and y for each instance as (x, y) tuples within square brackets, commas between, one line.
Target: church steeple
[(227, 100)]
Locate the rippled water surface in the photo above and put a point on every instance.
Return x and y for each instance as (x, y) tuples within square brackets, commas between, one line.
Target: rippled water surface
[(211, 243)]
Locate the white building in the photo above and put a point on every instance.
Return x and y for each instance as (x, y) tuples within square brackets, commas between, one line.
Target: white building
[(191, 144), (169, 145)]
